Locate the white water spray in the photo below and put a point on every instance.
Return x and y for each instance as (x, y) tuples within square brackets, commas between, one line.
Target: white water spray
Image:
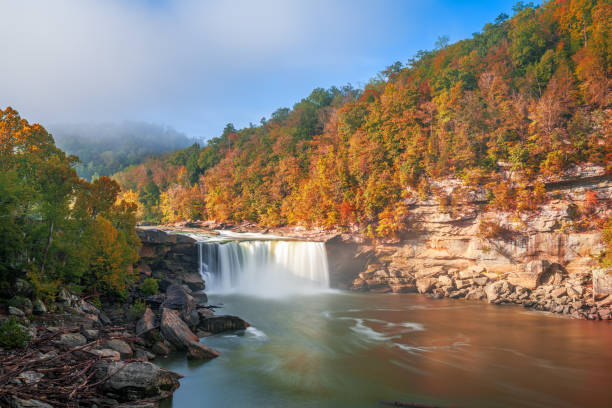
[(261, 266)]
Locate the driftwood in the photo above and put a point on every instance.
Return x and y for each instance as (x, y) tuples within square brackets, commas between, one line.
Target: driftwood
[(69, 380)]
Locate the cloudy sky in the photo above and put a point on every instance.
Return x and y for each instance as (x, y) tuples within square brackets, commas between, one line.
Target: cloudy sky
[(197, 65)]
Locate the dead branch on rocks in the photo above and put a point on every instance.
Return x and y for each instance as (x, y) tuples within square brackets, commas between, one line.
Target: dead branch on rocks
[(66, 379)]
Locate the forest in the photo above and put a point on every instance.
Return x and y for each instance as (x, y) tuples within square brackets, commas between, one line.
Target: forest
[(530, 94), (59, 230)]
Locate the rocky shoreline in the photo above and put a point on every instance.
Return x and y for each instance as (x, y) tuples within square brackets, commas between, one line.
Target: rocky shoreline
[(543, 259), (83, 355)]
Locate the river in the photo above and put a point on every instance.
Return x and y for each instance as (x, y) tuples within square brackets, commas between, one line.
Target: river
[(337, 349)]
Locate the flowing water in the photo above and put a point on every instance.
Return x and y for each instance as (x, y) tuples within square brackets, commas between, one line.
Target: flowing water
[(309, 348)]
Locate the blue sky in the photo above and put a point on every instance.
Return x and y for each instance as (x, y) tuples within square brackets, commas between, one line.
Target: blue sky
[(197, 65)]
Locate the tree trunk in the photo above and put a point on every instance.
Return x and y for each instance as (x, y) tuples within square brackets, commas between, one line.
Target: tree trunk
[(49, 239)]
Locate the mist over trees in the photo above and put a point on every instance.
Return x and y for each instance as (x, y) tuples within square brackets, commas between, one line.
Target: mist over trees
[(106, 148)]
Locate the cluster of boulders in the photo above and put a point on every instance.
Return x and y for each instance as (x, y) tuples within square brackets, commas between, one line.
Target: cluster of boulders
[(177, 319), (539, 285), (116, 350)]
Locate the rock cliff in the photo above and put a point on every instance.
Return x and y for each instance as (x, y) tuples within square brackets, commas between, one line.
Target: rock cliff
[(544, 258)]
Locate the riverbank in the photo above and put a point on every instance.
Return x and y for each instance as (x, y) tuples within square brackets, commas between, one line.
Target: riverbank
[(74, 353), (544, 259)]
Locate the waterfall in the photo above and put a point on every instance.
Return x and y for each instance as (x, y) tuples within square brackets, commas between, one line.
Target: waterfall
[(263, 266)]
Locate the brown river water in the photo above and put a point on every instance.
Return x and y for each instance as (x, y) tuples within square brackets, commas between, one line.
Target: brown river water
[(337, 349)]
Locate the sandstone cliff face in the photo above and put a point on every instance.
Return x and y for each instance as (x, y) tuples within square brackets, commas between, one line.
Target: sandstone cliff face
[(447, 254)]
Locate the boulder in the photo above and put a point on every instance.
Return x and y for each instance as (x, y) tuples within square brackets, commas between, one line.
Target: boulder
[(31, 403), (359, 284), (476, 294), (13, 311), (532, 274), (200, 298), (194, 281), (119, 346), (137, 380), (218, 324), (91, 334), (481, 281), (146, 323), (602, 282), (175, 330), (425, 285), (445, 280), (38, 307), (496, 291), (403, 287), (71, 340), (87, 308), (107, 353), (30, 377), (559, 292), (160, 349), (177, 298), (197, 350)]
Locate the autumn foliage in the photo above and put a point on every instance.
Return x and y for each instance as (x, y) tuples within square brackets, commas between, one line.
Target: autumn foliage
[(58, 229), (529, 95)]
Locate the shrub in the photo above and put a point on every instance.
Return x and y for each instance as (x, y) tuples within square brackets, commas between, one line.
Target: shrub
[(13, 334), (136, 310), (149, 286)]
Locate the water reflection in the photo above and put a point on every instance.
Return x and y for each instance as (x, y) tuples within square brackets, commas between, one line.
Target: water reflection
[(356, 350)]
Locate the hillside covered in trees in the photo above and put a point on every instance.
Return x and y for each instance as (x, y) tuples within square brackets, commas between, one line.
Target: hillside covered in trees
[(528, 94), (105, 149), (58, 230)]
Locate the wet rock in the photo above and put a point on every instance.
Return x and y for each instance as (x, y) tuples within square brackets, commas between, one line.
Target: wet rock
[(143, 355), (38, 307), (137, 380), (197, 350), (71, 340), (425, 285), (160, 349), (218, 324), (200, 298), (31, 403), (403, 287), (146, 323), (119, 346), (458, 293), (175, 330)]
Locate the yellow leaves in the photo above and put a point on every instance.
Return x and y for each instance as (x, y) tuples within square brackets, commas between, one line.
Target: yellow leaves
[(110, 262)]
